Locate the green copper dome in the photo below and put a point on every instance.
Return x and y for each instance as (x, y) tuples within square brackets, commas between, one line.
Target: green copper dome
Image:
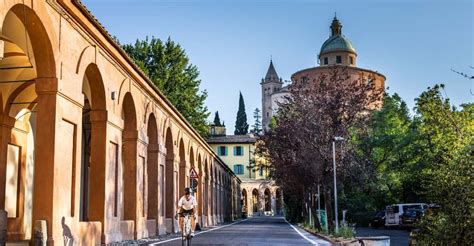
[(337, 43)]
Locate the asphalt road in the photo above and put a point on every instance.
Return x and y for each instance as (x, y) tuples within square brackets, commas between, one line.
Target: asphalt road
[(254, 231), (398, 237)]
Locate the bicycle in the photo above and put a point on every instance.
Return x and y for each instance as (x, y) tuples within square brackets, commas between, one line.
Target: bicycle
[(186, 231)]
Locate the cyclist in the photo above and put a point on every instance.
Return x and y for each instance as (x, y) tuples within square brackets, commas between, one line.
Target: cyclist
[(186, 205)]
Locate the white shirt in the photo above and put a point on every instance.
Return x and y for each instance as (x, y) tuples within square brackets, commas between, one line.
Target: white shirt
[(187, 204)]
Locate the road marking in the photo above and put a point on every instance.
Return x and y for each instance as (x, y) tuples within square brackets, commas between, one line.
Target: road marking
[(213, 229), (301, 234)]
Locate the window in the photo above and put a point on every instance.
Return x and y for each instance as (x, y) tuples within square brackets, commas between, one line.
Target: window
[(238, 151), (239, 169), (222, 151), (338, 59), (326, 61), (351, 59), (261, 171)]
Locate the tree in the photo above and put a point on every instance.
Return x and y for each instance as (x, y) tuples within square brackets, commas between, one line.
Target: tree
[(298, 147), (257, 126), (241, 126), (446, 135), (217, 120), (168, 66)]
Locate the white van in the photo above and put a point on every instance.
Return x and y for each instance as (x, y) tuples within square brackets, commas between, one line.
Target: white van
[(393, 212)]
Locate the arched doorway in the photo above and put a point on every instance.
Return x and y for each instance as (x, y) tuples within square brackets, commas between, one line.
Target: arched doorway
[(244, 202), (129, 153), (91, 206), (27, 65), (182, 169), (279, 201), (255, 201), (200, 190), (168, 202), (207, 203), (268, 200), (152, 168)]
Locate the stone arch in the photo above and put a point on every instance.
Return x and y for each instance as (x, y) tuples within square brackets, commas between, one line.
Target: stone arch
[(29, 54), (182, 167), (268, 200), (152, 167), (129, 157), (207, 192), (94, 133), (244, 202), (200, 189), (42, 50), (255, 198), (170, 181)]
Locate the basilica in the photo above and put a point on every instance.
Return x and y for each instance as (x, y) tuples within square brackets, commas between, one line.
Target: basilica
[(337, 50)]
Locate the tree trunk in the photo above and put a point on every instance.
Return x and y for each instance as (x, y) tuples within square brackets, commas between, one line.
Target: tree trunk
[(329, 209)]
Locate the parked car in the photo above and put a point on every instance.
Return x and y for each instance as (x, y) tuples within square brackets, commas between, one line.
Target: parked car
[(378, 220), (431, 210), (411, 216), (394, 212)]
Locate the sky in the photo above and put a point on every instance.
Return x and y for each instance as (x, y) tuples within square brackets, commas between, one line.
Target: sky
[(415, 44)]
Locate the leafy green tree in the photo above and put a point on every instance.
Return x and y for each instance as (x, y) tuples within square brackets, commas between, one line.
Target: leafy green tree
[(257, 126), (217, 120), (241, 126), (446, 134), (168, 66)]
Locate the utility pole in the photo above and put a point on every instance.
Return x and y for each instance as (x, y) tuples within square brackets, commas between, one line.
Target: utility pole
[(335, 183)]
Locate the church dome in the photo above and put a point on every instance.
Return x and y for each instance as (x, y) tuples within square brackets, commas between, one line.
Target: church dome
[(337, 41)]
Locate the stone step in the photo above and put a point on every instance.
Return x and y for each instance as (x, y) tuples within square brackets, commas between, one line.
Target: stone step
[(19, 243)]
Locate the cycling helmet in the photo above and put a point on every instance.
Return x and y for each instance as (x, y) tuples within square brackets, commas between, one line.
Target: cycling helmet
[(187, 190)]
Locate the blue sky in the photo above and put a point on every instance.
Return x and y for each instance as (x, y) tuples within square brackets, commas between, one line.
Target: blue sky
[(413, 43)]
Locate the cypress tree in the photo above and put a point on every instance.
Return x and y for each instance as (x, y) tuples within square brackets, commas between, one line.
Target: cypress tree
[(241, 126), (257, 127), (217, 120)]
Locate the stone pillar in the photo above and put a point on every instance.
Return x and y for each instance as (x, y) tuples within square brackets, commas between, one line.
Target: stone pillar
[(98, 166), (3, 227), (45, 201), (161, 192), (40, 233)]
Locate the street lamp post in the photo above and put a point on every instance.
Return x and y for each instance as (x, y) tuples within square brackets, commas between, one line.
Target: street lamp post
[(335, 186)]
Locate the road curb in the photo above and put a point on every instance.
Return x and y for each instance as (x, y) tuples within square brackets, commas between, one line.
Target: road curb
[(320, 236)]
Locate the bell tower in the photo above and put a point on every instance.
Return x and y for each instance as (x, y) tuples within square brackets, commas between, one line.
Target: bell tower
[(270, 84)]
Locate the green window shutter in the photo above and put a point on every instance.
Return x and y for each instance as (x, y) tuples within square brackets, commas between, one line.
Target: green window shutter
[(219, 150), (235, 150), (225, 150), (242, 150)]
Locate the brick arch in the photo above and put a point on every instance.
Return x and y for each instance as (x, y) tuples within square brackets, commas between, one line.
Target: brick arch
[(43, 73), (152, 167), (129, 153), (94, 138), (40, 40), (169, 206), (182, 180)]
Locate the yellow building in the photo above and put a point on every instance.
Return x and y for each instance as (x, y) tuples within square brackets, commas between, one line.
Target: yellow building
[(260, 196)]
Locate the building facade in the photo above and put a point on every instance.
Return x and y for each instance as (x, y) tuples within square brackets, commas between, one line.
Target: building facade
[(260, 196), (91, 152)]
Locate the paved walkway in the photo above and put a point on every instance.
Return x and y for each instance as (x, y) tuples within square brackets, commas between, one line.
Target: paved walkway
[(254, 231)]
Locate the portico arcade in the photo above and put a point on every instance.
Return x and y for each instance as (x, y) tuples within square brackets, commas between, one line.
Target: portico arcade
[(90, 151)]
